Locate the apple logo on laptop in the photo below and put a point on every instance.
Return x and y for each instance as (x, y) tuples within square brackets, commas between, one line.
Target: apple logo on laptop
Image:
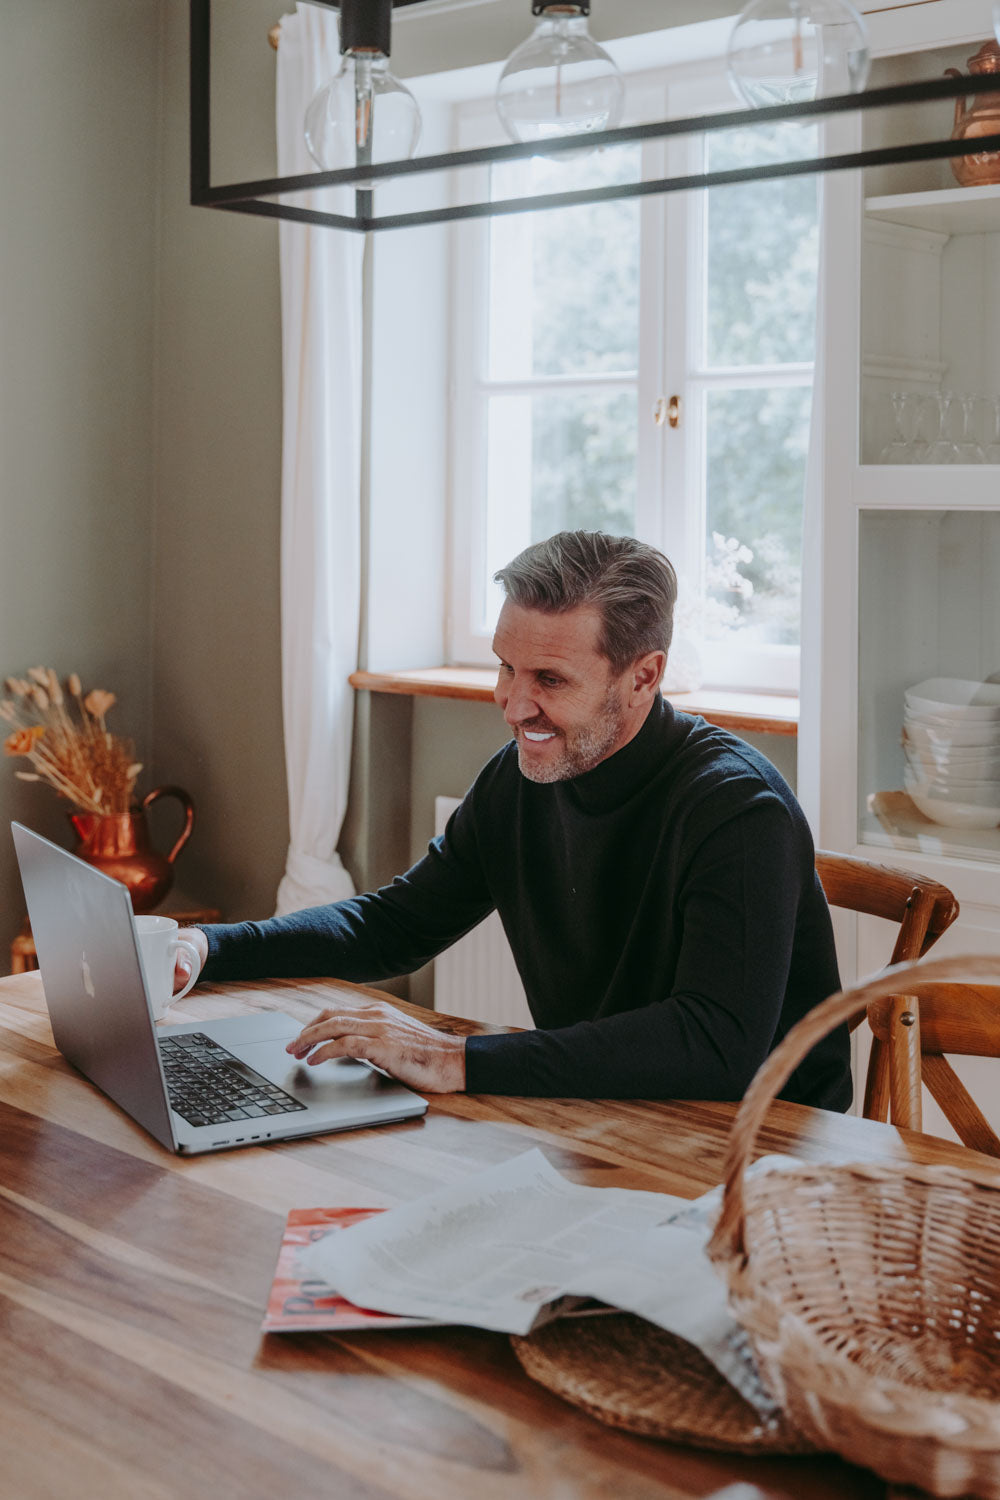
[(88, 982)]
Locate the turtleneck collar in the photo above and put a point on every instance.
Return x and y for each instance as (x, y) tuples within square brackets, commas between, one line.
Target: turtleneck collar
[(611, 783)]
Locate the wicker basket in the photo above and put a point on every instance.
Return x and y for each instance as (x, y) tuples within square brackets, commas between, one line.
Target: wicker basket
[(630, 1374), (871, 1293)]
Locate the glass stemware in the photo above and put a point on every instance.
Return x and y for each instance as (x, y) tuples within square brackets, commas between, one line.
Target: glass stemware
[(941, 410), (897, 451), (991, 453), (914, 406), (967, 450)]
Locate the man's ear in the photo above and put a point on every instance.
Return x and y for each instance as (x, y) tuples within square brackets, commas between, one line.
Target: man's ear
[(645, 677)]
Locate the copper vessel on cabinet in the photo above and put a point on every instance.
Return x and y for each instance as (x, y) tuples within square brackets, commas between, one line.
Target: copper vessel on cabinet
[(118, 845), (977, 118)]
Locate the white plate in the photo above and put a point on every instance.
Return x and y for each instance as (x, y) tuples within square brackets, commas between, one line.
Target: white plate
[(985, 793), (926, 729), (955, 814), (944, 750), (955, 698), (951, 765)]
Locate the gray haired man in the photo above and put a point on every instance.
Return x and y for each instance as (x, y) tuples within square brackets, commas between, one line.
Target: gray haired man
[(654, 874)]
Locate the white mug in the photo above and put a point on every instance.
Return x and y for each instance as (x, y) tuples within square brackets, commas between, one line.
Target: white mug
[(159, 944)]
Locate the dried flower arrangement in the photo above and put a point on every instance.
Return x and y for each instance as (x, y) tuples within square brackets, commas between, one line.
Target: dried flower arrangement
[(74, 751)]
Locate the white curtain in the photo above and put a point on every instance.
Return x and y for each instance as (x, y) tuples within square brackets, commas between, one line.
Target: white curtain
[(320, 484), (811, 634)]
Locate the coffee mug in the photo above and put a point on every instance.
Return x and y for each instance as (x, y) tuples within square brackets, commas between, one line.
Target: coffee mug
[(159, 945)]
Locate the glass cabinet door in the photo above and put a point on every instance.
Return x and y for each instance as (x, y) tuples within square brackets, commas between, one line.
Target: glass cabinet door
[(930, 287), (928, 704)]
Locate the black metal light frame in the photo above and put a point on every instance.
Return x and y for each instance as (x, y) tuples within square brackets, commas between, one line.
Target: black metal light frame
[(254, 197)]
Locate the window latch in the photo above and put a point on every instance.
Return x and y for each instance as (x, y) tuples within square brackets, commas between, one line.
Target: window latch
[(667, 411)]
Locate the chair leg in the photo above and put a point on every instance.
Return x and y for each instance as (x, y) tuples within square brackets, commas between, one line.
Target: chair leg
[(904, 1062), (876, 1105), (958, 1106)]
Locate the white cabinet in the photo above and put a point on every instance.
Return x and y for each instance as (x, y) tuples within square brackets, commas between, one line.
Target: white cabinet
[(903, 557)]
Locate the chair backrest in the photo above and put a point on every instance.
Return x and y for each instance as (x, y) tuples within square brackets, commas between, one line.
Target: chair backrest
[(963, 1019), (923, 908)]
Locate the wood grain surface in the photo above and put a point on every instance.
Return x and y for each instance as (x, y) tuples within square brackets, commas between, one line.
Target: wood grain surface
[(133, 1282), (758, 713)]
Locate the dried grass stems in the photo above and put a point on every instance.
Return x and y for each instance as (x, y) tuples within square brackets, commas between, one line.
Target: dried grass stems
[(68, 743)]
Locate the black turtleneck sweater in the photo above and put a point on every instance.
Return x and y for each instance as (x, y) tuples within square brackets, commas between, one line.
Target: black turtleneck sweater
[(663, 910)]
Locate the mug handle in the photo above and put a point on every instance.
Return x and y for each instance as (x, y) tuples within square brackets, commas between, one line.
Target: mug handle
[(195, 958), (188, 806)]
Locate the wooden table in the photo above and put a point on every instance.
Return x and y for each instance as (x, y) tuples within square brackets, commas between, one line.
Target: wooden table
[(132, 1285)]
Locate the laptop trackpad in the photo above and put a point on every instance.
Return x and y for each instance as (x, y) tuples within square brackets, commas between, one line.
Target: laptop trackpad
[(328, 1081)]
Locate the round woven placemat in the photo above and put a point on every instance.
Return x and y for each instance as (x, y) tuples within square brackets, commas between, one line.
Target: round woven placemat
[(633, 1375)]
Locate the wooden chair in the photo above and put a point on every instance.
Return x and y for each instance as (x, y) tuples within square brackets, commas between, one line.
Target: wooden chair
[(963, 1019), (924, 909)]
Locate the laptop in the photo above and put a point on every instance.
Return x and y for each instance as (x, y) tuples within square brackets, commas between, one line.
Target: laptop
[(205, 1086)]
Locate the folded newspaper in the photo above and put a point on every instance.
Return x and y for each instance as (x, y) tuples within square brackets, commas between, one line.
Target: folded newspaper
[(516, 1245)]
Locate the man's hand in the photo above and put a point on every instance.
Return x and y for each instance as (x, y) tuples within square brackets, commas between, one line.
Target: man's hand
[(182, 969), (374, 1032)]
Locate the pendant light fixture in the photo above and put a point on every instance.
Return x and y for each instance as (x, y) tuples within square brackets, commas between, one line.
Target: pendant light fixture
[(559, 82), (790, 51), (363, 114), (292, 197)]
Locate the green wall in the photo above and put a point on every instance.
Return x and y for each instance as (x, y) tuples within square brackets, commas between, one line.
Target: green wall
[(78, 142), (216, 649)]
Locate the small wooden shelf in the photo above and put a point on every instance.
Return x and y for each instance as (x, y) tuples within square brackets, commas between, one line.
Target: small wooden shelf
[(901, 825), (748, 713), (24, 959), (958, 210)]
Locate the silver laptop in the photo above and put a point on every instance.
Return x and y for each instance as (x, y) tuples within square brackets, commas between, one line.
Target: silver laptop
[(207, 1086)]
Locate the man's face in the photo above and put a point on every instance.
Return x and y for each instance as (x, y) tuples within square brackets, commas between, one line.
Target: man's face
[(566, 708)]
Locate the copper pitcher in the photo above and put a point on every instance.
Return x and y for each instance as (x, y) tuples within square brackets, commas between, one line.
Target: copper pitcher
[(978, 118), (118, 844)]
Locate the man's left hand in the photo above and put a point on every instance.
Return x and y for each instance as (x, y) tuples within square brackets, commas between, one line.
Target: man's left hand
[(374, 1032)]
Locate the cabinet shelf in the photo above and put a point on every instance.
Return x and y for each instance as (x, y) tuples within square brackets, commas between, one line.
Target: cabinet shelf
[(958, 210), (899, 824)]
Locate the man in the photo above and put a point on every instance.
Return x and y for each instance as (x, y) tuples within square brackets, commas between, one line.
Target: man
[(655, 875)]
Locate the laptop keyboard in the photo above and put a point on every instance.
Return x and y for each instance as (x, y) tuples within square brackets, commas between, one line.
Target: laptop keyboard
[(209, 1086)]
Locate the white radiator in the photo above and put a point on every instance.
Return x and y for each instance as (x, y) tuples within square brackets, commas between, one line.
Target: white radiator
[(477, 977)]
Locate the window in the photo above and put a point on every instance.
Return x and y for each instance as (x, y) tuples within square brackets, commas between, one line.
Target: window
[(574, 327)]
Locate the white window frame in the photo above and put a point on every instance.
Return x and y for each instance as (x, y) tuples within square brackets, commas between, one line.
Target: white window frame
[(670, 463)]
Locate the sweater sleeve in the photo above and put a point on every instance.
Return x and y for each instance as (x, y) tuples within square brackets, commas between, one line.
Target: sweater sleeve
[(707, 1038), (375, 936)]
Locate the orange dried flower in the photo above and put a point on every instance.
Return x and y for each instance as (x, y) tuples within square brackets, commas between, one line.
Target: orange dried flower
[(97, 702), (22, 741), (79, 757)]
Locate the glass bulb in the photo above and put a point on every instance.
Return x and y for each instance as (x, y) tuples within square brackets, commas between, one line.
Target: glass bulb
[(559, 81), (785, 51), (362, 115)]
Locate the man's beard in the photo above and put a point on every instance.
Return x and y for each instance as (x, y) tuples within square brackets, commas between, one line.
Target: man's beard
[(582, 749)]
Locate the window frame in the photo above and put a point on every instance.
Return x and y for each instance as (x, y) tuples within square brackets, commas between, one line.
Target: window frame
[(671, 322)]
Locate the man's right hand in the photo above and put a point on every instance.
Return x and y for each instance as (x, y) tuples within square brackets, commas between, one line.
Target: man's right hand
[(182, 968)]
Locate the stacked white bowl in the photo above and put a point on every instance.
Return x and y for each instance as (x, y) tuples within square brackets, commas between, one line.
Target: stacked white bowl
[(951, 740)]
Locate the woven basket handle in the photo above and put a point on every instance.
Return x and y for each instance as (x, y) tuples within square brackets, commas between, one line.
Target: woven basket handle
[(728, 1241)]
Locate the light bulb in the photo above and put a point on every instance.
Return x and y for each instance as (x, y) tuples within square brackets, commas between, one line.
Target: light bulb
[(785, 51), (362, 115), (559, 81), (996, 19)]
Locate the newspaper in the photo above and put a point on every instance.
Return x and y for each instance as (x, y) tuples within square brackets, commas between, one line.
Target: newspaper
[(513, 1246), (492, 1250)]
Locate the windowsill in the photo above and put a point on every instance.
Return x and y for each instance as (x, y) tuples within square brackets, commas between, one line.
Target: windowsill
[(752, 713)]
